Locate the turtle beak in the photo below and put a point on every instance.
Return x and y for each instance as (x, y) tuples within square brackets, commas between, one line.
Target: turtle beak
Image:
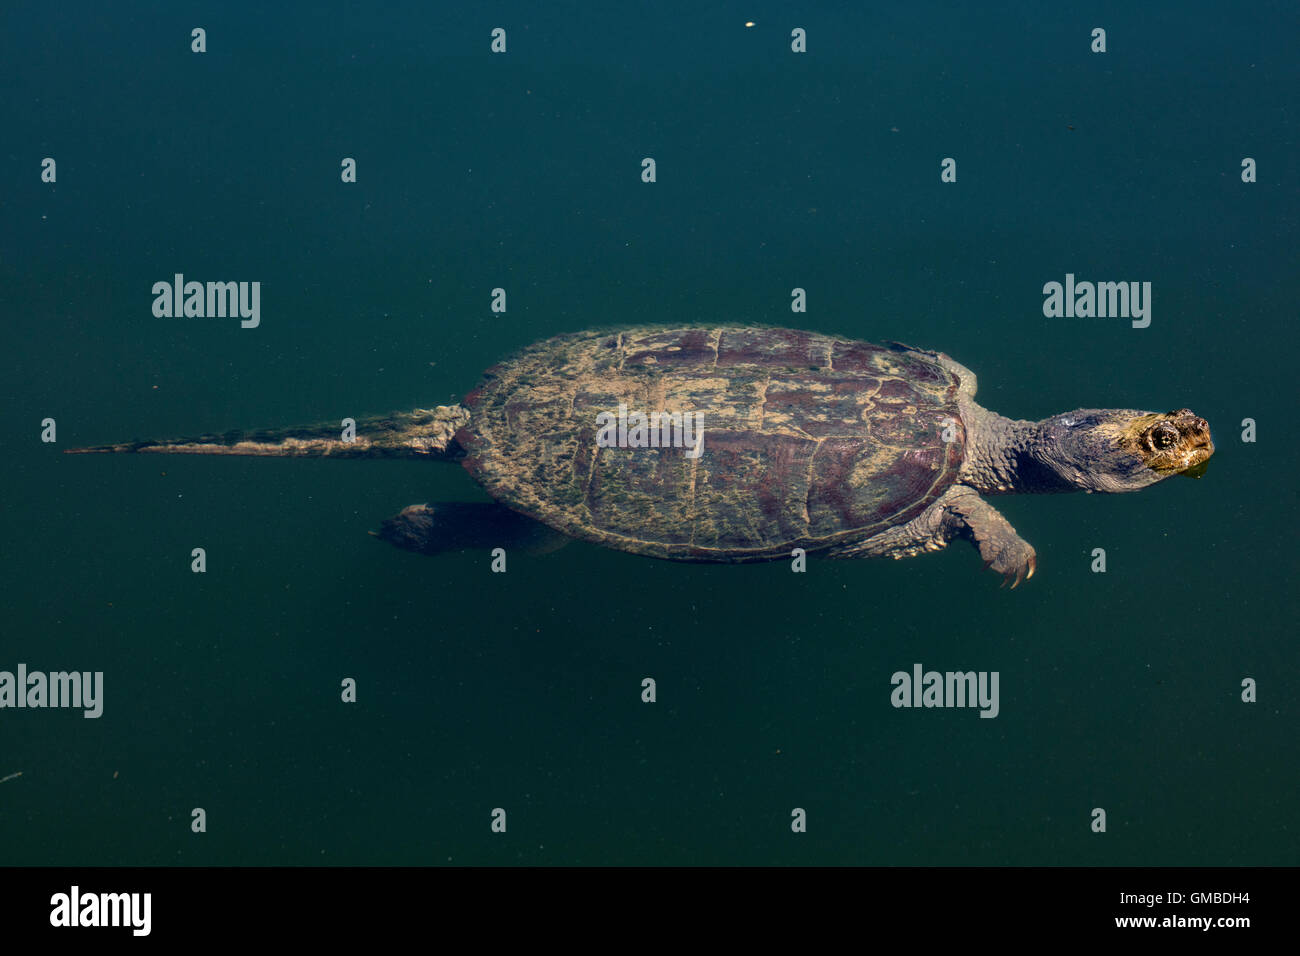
[(1197, 442)]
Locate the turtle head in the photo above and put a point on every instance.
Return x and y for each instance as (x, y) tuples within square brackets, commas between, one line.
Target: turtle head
[(1115, 450)]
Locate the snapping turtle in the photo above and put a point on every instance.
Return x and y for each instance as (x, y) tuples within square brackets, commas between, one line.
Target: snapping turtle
[(741, 444)]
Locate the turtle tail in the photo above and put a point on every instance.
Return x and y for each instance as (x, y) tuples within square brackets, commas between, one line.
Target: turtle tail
[(419, 433)]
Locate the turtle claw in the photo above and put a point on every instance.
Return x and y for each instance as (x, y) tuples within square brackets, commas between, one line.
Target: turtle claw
[(1016, 564)]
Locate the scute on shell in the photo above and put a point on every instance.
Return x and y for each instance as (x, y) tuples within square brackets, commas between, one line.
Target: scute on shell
[(809, 440)]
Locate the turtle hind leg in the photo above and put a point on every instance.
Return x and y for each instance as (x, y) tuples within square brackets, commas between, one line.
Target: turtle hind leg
[(467, 526)]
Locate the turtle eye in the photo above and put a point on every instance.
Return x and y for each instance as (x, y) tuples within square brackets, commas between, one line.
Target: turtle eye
[(1164, 436)]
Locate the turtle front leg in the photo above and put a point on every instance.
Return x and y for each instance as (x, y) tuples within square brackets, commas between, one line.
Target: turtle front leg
[(999, 545), (960, 512)]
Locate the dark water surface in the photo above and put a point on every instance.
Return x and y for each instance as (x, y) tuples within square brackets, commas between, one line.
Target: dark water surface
[(522, 691)]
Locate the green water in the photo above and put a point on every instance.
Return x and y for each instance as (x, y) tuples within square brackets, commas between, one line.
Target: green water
[(522, 691)]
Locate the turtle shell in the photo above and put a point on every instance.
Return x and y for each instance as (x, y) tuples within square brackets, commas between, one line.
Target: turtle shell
[(808, 441)]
